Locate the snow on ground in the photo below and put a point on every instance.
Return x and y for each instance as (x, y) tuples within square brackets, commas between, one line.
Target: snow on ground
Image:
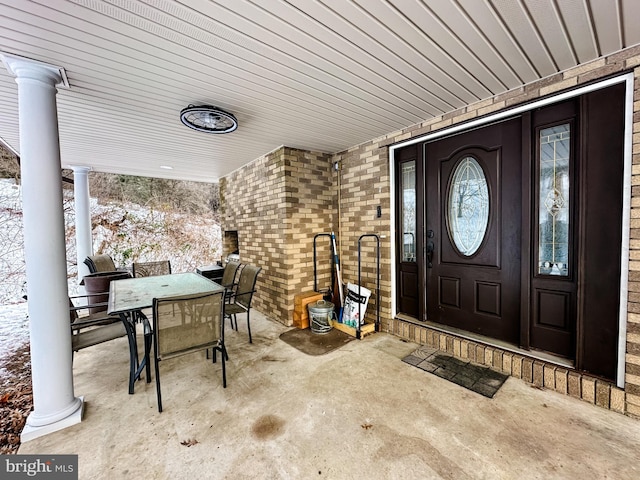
[(14, 329), (127, 232)]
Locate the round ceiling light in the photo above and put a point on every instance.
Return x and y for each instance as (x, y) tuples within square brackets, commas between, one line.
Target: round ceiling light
[(206, 118)]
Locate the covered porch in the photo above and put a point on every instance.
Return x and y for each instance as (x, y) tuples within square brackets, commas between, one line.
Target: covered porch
[(356, 412), (331, 92)]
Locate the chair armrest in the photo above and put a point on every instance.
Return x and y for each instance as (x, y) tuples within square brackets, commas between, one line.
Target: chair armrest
[(90, 305), (74, 307), (93, 320), (87, 295), (236, 294)]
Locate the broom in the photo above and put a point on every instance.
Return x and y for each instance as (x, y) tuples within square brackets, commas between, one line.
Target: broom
[(338, 301)]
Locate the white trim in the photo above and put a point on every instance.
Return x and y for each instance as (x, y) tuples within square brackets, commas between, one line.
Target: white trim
[(18, 65), (463, 127), (392, 231), (627, 78), (626, 230), (4, 143), (30, 432)]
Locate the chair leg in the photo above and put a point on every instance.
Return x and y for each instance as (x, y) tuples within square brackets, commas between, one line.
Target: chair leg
[(148, 339), (133, 354), (230, 317), (249, 327), (147, 351), (157, 369), (224, 368), (214, 356)]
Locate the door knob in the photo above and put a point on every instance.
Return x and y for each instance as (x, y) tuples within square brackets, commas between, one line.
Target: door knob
[(429, 254)]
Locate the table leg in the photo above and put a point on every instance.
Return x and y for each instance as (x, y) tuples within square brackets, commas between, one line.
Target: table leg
[(130, 328)]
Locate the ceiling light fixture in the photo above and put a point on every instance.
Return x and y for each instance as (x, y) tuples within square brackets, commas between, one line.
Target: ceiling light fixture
[(209, 119)]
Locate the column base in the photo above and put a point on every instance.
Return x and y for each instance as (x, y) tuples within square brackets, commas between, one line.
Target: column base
[(30, 432)]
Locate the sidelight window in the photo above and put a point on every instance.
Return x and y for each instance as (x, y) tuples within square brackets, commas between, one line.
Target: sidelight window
[(408, 207), (553, 219)]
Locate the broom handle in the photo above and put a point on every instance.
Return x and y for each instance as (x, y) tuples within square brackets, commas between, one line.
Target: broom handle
[(336, 259)]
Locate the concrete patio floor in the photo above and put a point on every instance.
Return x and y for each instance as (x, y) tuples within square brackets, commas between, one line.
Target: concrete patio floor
[(357, 412)]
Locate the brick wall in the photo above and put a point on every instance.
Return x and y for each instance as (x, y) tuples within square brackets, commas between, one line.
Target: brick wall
[(280, 201), (229, 243), (365, 184), (535, 371), (277, 204)]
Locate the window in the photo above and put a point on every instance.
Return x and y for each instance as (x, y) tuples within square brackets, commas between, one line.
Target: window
[(408, 188), (468, 206), (553, 216)]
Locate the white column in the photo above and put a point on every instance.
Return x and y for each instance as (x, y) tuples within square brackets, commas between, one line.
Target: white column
[(84, 243), (55, 406)]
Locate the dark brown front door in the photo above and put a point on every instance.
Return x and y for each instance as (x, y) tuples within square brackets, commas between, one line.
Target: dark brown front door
[(473, 230), (515, 230)]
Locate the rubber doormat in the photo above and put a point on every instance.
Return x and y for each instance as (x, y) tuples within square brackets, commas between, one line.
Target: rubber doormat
[(477, 378), (315, 343)]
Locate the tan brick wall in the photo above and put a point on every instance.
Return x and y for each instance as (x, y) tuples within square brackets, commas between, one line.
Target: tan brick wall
[(537, 372), (365, 184), (277, 204), (229, 243)]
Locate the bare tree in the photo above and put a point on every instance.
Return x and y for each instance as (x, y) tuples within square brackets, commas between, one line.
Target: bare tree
[(133, 219)]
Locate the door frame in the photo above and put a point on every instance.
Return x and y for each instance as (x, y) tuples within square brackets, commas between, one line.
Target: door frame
[(628, 79)]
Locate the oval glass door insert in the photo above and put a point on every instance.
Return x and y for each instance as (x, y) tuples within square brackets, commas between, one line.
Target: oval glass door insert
[(468, 207)]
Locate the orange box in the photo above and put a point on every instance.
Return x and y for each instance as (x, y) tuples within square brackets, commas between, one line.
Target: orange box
[(300, 311), (302, 299), (300, 321)]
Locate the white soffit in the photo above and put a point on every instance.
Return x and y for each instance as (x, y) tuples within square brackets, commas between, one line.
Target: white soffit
[(320, 75)]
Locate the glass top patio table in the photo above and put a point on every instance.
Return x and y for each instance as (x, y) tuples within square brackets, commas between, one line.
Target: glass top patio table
[(132, 294)]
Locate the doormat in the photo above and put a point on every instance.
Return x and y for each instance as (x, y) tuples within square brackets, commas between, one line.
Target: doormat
[(315, 343), (477, 378)]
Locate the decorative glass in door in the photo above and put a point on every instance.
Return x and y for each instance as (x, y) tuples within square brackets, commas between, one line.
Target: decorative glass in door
[(468, 206), (553, 216), (408, 209)]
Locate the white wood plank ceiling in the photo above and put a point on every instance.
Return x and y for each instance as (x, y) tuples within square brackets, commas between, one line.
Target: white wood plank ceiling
[(320, 75)]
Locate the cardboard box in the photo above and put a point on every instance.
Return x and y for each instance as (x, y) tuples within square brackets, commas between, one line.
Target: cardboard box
[(300, 311), (300, 321), (303, 299)]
